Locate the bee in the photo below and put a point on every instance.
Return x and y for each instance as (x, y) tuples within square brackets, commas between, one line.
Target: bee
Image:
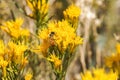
[(51, 38), (51, 34)]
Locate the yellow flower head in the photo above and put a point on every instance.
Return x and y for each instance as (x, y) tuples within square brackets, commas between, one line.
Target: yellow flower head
[(28, 76), (13, 28), (87, 76), (16, 51), (113, 60), (61, 34), (25, 32), (99, 74), (37, 5), (54, 59), (72, 12)]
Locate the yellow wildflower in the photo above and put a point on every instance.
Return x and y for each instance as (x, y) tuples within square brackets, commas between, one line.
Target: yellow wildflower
[(57, 62), (10, 49), (28, 76), (31, 4), (17, 23), (62, 33), (44, 33), (99, 74), (12, 24), (87, 76), (19, 53), (16, 51), (13, 28), (25, 32), (113, 60), (37, 5), (72, 12)]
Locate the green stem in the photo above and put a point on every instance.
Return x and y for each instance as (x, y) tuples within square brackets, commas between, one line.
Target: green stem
[(60, 76)]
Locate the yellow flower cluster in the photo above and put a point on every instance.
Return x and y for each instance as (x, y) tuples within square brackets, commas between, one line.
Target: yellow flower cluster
[(16, 52), (54, 59), (3, 62), (114, 60), (36, 6), (61, 34), (12, 53), (72, 12), (13, 28), (99, 74)]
